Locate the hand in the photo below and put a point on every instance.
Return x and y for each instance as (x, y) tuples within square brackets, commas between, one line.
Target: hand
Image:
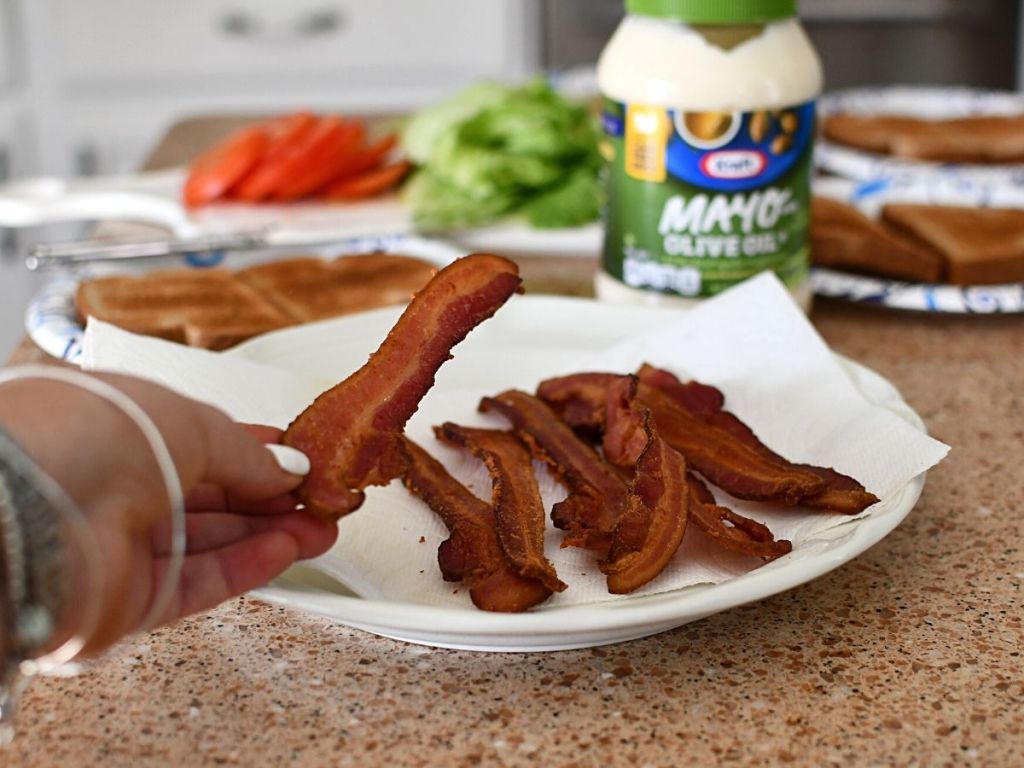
[(242, 523)]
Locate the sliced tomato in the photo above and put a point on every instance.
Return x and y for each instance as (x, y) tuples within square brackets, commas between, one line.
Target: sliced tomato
[(292, 164), (212, 174), (370, 183), (339, 141), (366, 159), (284, 130)]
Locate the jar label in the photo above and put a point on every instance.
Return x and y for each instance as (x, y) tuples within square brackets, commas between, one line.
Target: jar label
[(699, 201)]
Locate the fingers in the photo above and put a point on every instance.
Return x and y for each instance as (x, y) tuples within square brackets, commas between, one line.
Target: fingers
[(207, 445), (215, 530), (263, 433), (207, 497), (210, 578), (230, 554), (237, 461)]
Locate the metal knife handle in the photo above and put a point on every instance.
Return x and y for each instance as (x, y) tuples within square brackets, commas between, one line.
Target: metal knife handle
[(52, 255)]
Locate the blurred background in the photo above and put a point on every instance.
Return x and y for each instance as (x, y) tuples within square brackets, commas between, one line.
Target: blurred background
[(91, 87)]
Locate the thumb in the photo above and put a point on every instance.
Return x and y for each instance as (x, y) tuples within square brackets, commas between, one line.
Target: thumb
[(240, 463)]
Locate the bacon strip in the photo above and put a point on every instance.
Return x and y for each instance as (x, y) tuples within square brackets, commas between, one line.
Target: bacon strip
[(649, 533), (837, 492), (626, 433), (709, 439), (518, 508), (727, 462), (472, 553), (597, 495), (691, 395), (351, 431), (580, 400), (729, 529)]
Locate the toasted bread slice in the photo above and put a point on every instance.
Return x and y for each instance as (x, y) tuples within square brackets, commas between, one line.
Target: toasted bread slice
[(188, 305), (982, 139), (872, 133), (981, 246), (844, 238), (217, 308), (313, 289)]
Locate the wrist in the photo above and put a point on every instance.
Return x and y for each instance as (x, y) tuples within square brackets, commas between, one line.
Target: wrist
[(44, 559), (108, 454), (53, 423)]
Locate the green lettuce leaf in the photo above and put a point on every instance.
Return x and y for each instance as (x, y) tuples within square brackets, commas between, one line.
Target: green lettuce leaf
[(493, 150)]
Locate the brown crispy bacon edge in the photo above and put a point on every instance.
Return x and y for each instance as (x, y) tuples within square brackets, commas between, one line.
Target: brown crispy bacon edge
[(648, 535), (729, 529), (597, 495), (702, 435), (580, 400), (518, 508), (472, 553), (839, 493), (351, 432)]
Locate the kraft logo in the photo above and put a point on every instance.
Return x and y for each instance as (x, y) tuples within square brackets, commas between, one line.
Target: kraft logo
[(734, 164)]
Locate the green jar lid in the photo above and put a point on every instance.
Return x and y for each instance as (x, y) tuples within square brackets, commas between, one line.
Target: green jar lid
[(715, 11)]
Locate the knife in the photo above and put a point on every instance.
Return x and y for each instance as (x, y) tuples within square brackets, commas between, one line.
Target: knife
[(199, 251)]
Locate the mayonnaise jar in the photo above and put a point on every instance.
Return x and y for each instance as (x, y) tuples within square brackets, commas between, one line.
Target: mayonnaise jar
[(708, 126)]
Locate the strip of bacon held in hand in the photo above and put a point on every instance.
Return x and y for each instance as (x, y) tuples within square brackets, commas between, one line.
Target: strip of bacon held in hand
[(472, 553), (351, 432), (650, 531), (518, 507), (597, 494), (839, 493), (714, 441)]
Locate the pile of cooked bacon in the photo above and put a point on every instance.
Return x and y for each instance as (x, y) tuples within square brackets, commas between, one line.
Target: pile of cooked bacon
[(627, 448)]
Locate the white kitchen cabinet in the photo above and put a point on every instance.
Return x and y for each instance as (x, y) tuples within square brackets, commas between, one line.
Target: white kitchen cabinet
[(134, 45), (8, 62), (17, 152), (102, 79)]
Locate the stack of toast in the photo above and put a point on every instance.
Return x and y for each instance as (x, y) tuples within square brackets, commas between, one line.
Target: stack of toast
[(979, 140), (921, 243), (218, 308)]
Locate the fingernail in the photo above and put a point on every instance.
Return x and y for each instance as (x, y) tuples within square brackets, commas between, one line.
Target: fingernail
[(289, 459)]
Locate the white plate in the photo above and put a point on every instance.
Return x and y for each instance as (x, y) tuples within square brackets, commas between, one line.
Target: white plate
[(869, 197), (51, 319), (538, 333), (923, 102)]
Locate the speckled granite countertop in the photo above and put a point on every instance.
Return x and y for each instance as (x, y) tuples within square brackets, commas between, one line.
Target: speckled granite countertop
[(908, 655)]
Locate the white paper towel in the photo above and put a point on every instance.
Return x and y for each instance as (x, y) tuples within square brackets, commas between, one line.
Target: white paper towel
[(752, 342)]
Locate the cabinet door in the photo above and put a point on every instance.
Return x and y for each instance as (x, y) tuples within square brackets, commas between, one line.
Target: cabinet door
[(17, 154), (205, 45), (8, 36), (104, 140)]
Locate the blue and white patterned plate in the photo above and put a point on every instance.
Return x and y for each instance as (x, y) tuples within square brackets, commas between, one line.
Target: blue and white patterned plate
[(919, 297), (869, 197), (51, 319), (922, 102)]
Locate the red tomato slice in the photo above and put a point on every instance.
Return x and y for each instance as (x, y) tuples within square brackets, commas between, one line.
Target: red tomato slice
[(284, 130), (369, 184), (366, 159), (213, 173), (338, 141), (290, 165)]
